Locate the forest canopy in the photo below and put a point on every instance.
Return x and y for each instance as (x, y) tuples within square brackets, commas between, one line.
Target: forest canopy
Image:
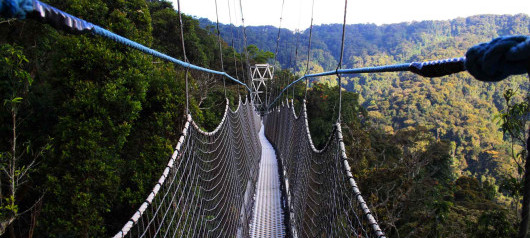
[(92, 123)]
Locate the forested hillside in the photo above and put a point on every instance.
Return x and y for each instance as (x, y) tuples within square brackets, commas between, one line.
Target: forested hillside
[(91, 123), (413, 124), (87, 124), (457, 108)]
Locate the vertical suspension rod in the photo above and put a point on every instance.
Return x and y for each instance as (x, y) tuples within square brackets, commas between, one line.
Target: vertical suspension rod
[(340, 60), (245, 44), (309, 50), (220, 46), (185, 58), (277, 40)]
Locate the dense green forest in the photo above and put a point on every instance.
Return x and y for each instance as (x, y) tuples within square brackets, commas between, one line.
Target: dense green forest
[(421, 120), (407, 176), (457, 108), (92, 123)]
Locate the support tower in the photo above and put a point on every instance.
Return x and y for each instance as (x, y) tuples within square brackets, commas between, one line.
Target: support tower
[(260, 73)]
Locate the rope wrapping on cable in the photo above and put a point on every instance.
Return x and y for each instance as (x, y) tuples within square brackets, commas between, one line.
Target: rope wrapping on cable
[(16, 8), (438, 68), (499, 58), (59, 19)]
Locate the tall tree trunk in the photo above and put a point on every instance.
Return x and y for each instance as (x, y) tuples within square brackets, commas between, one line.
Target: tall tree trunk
[(525, 212), (12, 233), (12, 166)]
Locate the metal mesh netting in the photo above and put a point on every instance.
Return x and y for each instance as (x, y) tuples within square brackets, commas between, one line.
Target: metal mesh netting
[(207, 187), (322, 196)]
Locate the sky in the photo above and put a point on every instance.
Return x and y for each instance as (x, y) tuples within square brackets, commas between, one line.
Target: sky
[(297, 13)]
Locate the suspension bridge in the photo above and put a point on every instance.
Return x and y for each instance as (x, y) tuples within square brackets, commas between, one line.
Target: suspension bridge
[(260, 175)]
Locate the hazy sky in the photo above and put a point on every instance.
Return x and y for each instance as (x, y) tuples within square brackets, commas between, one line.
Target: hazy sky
[(297, 13)]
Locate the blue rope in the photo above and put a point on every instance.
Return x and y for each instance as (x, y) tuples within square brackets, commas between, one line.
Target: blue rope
[(15, 8), (492, 61), (60, 19), (427, 69), (499, 58)]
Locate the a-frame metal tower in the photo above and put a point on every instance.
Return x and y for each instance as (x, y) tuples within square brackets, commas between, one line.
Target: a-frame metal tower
[(260, 74)]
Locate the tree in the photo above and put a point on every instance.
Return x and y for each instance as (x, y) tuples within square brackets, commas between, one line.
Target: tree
[(514, 123), (494, 223), (21, 158), (258, 56)]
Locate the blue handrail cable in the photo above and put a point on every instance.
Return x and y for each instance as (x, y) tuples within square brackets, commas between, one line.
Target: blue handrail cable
[(15, 8), (436, 68), (64, 21), (491, 61)]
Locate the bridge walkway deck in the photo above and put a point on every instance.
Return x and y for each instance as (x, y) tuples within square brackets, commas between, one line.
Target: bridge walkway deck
[(267, 218)]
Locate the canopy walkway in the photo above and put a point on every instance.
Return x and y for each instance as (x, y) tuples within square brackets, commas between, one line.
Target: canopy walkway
[(206, 189), (213, 186), (258, 176)]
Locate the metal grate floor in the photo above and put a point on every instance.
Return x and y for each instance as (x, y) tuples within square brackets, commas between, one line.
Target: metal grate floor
[(267, 217)]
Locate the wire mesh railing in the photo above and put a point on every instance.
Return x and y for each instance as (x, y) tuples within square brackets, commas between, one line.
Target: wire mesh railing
[(207, 187), (322, 196)]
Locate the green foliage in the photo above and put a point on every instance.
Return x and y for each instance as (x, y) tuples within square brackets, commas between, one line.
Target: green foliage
[(15, 79), (494, 224), (9, 207), (115, 114), (259, 56), (420, 134), (408, 176), (455, 108), (512, 186), (322, 110), (513, 122), (14, 85), (514, 118)]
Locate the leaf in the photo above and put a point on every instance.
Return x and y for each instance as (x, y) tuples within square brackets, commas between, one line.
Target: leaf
[(16, 100)]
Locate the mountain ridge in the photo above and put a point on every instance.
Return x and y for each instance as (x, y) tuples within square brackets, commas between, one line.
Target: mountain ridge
[(456, 108), (327, 36)]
